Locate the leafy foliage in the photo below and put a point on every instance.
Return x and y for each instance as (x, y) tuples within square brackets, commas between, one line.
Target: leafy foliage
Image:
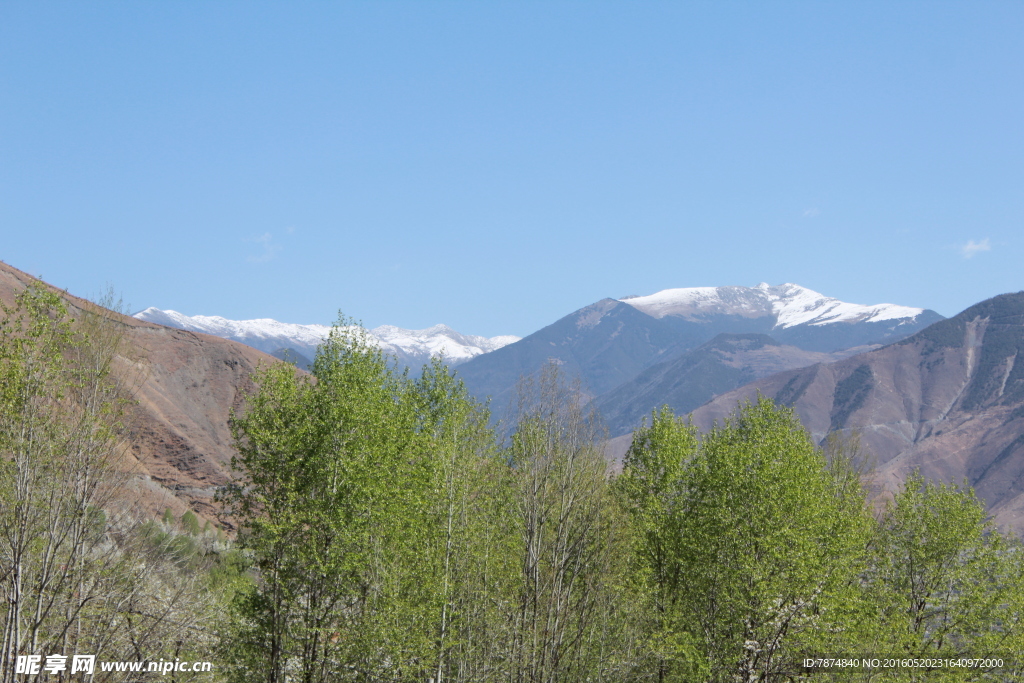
[(750, 543), (944, 583)]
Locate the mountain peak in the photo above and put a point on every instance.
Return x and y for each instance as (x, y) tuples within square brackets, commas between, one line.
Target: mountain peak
[(789, 303)]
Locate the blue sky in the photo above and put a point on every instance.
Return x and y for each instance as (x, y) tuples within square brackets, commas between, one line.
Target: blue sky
[(495, 166)]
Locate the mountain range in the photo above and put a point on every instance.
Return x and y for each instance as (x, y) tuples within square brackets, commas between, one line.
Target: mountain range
[(945, 397), (628, 352), (631, 354), (297, 343)]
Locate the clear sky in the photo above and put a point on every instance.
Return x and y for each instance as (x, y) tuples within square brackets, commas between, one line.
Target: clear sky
[(495, 166)]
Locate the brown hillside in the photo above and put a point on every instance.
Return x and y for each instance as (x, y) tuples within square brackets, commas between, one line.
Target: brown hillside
[(948, 400), (180, 434)]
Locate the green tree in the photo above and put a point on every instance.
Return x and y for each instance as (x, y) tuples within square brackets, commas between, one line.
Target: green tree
[(652, 488), (353, 505), (946, 584), (461, 461), (565, 623), (751, 545), (190, 523)]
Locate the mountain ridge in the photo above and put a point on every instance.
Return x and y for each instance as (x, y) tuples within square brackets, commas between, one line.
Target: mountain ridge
[(611, 341), (948, 401), (686, 382), (179, 437), (411, 347)]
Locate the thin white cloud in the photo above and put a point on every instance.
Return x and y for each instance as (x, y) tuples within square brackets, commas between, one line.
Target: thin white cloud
[(811, 212), (971, 248), (269, 249)]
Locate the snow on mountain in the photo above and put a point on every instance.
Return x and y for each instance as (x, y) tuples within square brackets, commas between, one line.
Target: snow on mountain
[(263, 333), (440, 340), (411, 346), (788, 303)]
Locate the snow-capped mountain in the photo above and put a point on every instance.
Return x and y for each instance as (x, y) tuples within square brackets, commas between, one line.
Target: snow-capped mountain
[(409, 346), (439, 340), (611, 342), (789, 304)]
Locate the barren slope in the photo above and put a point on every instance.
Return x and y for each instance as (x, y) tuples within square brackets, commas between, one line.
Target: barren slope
[(948, 400), (180, 434)]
